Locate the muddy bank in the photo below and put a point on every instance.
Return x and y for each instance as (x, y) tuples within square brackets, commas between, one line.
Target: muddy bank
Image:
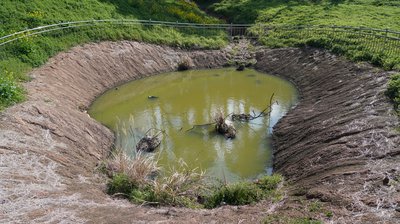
[(336, 144), (340, 143)]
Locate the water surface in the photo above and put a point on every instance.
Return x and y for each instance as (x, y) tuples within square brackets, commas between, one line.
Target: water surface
[(183, 100)]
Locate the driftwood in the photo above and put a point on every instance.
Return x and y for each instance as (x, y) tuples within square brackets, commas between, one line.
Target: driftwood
[(149, 142), (224, 126), (249, 117)]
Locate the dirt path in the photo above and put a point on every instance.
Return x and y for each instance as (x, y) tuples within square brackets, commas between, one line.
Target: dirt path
[(336, 144)]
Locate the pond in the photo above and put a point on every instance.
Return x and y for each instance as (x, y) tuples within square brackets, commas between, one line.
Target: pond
[(179, 103)]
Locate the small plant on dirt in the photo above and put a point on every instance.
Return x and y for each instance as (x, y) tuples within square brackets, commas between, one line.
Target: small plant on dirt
[(273, 219), (10, 91), (235, 194), (120, 184), (315, 206), (393, 91)]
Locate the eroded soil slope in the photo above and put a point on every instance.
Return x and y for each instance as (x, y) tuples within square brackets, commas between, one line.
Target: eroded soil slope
[(340, 143)]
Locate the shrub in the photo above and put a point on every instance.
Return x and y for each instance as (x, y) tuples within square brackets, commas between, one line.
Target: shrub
[(393, 90), (272, 219), (10, 91), (244, 192), (269, 183), (120, 183), (235, 194)]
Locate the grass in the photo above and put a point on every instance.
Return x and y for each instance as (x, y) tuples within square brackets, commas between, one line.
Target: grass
[(380, 14), (138, 179), (21, 56), (278, 219), (393, 91), (243, 193), (10, 90)]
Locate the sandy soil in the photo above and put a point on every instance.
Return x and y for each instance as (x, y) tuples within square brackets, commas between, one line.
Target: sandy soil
[(337, 145)]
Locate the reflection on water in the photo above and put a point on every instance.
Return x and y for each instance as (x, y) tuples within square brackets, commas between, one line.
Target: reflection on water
[(191, 98)]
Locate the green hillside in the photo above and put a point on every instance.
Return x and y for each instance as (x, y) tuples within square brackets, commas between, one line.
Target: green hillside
[(19, 57), (289, 17), (370, 13)]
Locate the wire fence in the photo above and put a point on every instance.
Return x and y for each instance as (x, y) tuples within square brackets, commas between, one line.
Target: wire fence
[(190, 28), (374, 41), (341, 39)]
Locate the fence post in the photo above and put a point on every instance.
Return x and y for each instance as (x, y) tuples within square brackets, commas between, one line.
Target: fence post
[(231, 30)]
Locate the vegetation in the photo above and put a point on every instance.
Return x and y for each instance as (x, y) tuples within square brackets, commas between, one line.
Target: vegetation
[(20, 56), (393, 91), (287, 15), (274, 219), (243, 193), (10, 91), (141, 181)]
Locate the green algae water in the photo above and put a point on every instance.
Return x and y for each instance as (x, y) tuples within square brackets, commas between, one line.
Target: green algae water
[(182, 104)]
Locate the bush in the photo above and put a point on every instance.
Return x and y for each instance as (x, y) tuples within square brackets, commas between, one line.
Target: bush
[(10, 91), (269, 183), (272, 219), (236, 194), (120, 183), (393, 91), (244, 192)]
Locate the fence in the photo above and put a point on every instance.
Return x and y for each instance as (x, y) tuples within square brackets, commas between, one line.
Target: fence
[(190, 28), (375, 41), (340, 39)]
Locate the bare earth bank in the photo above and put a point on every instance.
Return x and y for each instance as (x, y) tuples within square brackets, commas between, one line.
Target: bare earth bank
[(337, 145)]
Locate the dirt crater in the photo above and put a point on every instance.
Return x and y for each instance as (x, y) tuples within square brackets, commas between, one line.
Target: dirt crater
[(337, 145)]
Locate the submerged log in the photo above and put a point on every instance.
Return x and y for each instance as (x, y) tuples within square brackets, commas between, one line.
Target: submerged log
[(225, 127), (148, 143)]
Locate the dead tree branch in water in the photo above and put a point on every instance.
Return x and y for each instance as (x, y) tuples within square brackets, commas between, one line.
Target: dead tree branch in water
[(249, 117), (150, 141), (226, 127), (199, 126)]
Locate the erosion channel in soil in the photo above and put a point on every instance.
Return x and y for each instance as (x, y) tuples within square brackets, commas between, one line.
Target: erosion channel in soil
[(184, 105), (337, 146)]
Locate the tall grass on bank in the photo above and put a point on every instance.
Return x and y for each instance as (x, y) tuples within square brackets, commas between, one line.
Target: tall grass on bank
[(136, 176)]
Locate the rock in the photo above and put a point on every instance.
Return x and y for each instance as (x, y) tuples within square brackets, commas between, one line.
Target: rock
[(152, 97), (240, 68), (386, 181)]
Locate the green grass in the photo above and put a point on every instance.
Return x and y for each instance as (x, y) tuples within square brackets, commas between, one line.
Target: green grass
[(10, 90), (380, 14), (244, 193), (185, 189), (278, 219), (393, 91), (21, 56)]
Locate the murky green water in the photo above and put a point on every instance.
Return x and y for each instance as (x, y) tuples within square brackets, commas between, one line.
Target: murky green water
[(187, 99)]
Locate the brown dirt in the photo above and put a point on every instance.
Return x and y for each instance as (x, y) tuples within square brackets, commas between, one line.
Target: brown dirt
[(338, 144), (335, 146)]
